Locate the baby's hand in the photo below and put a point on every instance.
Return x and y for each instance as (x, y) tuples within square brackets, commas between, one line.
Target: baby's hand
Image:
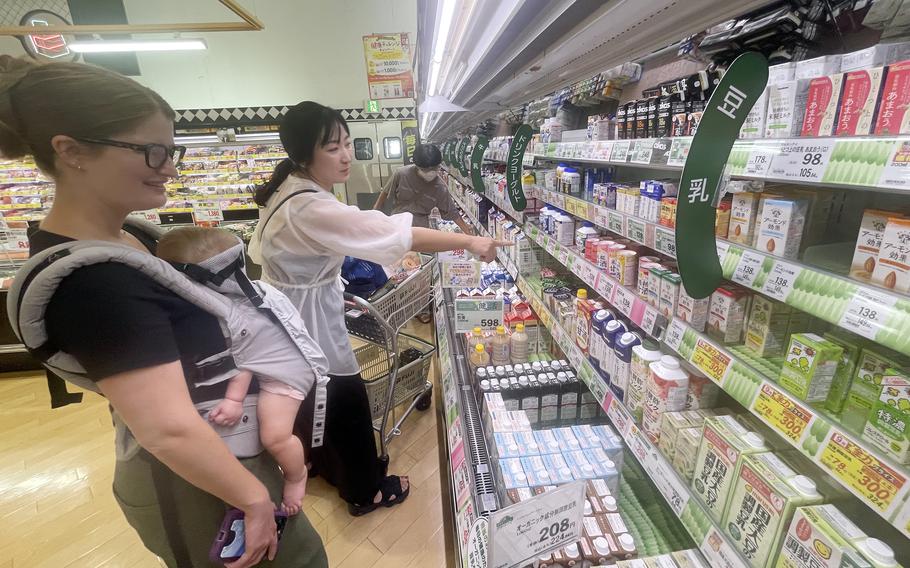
[(227, 413)]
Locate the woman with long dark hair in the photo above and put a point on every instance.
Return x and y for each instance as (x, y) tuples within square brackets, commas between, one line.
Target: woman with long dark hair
[(303, 235)]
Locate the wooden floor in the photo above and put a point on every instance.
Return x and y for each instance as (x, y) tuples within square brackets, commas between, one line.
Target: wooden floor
[(57, 510)]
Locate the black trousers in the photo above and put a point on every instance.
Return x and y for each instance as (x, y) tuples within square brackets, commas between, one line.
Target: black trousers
[(348, 458)]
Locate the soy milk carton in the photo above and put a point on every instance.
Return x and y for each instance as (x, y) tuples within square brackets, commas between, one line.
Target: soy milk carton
[(820, 537), (724, 443), (765, 494)]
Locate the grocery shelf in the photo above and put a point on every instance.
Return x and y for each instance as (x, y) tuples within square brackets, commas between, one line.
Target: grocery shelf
[(864, 309), (711, 540), (862, 163), (499, 200), (851, 461)]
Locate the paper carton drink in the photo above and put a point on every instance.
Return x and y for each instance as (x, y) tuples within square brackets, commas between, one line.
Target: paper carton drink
[(667, 387), (703, 392), (846, 369), (810, 365), (670, 427), (743, 214), (726, 314), (888, 427), (780, 227), (717, 463), (786, 102), (820, 537), (766, 327), (765, 494), (692, 311), (858, 102), (868, 243), (892, 271), (687, 442), (821, 105), (893, 117), (754, 125), (512, 474)]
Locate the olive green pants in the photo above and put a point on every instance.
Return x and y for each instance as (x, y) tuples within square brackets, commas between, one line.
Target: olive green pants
[(199, 515)]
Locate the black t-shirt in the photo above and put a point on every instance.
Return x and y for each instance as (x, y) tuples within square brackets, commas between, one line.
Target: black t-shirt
[(113, 318)]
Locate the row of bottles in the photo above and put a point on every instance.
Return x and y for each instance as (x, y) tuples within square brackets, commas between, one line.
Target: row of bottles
[(500, 349)]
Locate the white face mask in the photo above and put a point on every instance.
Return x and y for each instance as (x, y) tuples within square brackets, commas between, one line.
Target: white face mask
[(427, 176)]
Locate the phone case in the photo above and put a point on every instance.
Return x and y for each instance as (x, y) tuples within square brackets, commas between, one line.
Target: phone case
[(229, 542)]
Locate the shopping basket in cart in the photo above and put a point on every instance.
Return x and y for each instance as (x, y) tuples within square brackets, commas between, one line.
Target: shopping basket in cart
[(394, 365)]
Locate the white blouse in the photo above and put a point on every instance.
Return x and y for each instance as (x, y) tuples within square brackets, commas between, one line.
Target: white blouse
[(303, 248)]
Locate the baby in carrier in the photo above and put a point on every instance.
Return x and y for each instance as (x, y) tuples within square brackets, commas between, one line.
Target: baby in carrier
[(280, 396)]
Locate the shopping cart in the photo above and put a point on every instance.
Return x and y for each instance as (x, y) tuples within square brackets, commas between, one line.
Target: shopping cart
[(394, 365)]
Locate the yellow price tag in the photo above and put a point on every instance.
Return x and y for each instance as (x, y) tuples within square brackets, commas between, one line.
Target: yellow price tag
[(876, 483), (710, 360), (782, 412)]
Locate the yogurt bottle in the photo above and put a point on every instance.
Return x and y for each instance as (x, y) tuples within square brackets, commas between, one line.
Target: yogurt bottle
[(622, 363), (584, 232), (668, 387)]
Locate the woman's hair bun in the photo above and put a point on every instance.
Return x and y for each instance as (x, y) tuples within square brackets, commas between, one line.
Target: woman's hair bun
[(12, 142)]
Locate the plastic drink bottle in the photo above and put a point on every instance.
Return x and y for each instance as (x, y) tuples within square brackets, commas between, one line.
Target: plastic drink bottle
[(500, 355), (519, 345), (479, 357)]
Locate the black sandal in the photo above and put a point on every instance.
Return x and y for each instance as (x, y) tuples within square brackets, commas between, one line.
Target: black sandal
[(392, 494)]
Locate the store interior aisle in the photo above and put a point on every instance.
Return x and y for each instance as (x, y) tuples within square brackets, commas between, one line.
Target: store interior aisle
[(57, 510)]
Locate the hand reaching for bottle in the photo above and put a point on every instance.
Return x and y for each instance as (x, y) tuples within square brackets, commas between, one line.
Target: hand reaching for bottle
[(484, 248)]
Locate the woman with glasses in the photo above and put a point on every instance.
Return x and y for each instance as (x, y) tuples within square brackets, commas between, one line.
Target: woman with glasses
[(303, 235), (108, 143)]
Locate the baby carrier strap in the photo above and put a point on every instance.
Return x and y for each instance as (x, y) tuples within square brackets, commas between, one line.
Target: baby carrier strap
[(38, 279)]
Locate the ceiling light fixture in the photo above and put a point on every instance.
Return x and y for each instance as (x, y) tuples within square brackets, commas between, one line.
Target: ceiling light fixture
[(447, 14), (138, 45)]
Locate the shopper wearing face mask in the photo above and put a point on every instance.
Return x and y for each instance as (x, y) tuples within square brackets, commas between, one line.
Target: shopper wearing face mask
[(417, 189)]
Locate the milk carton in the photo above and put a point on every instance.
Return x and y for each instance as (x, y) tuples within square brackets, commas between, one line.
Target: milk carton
[(672, 424), (691, 310), (743, 214), (687, 442), (786, 101), (820, 537), (547, 441), (717, 463), (512, 474), (765, 494), (726, 314), (754, 125), (868, 243), (766, 328), (780, 227), (892, 271), (888, 427), (810, 365), (822, 102)]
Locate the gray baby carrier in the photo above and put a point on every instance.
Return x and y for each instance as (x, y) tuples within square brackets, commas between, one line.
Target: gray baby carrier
[(264, 310)]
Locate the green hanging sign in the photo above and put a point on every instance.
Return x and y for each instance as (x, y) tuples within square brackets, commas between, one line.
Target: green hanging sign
[(480, 148), (696, 250), (461, 154), (445, 152), (450, 153), (513, 166)]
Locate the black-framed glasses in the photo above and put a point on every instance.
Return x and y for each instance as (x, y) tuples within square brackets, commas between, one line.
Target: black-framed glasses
[(155, 154)]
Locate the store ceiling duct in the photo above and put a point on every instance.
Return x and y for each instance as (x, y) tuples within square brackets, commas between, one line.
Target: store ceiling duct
[(107, 46), (517, 50), (439, 104)]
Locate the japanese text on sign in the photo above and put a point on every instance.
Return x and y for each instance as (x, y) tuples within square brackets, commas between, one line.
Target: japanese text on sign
[(782, 413), (863, 473)]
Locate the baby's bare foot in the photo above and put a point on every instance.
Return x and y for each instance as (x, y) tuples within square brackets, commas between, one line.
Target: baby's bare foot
[(294, 491)]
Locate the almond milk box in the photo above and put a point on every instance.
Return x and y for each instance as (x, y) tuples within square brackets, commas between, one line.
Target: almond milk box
[(820, 537), (724, 443), (765, 494)]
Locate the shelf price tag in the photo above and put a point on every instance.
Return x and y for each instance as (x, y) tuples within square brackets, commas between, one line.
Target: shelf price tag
[(780, 282), (665, 241), (760, 157), (641, 151), (620, 417), (649, 321), (624, 300), (620, 151), (575, 357), (551, 245), (527, 529), (605, 286), (151, 216), (471, 313), (897, 167), (867, 312), (803, 160), (636, 230), (563, 256), (880, 486), (667, 482), (597, 387), (17, 241), (748, 268), (650, 235), (460, 274), (679, 151), (782, 413), (722, 249), (674, 335), (533, 232), (638, 445), (207, 212), (601, 216), (708, 358), (615, 222)]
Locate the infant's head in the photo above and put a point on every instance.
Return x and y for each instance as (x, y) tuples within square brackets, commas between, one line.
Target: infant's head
[(192, 245)]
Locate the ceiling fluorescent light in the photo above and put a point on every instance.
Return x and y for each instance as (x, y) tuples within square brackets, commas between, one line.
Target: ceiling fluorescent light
[(142, 45), (447, 14)]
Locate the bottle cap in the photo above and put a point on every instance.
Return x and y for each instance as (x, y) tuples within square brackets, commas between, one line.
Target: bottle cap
[(500, 330), (601, 546), (626, 541), (587, 469), (520, 327), (484, 384), (669, 361), (805, 486), (609, 502), (572, 550), (479, 348), (582, 294), (877, 551), (588, 510), (477, 331)]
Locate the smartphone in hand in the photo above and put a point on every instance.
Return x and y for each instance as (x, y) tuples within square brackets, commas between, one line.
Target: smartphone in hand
[(229, 542)]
